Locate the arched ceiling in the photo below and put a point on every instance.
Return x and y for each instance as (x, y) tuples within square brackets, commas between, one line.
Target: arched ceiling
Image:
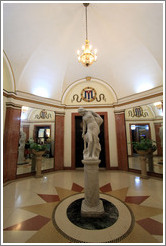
[(41, 39)]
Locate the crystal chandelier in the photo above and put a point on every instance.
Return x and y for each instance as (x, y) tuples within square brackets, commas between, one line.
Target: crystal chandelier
[(87, 56)]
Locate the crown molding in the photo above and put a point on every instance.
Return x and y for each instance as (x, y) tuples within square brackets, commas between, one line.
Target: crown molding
[(138, 99)]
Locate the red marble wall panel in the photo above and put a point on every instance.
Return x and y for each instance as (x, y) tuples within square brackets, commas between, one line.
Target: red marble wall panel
[(59, 142), (158, 140), (121, 141), (26, 130), (11, 142)]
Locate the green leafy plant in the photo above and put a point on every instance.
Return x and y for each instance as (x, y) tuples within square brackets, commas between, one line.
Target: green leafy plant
[(38, 147), (145, 144)]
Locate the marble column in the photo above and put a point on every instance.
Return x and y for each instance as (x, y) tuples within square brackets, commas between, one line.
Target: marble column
[(91, 206), (11, 141)]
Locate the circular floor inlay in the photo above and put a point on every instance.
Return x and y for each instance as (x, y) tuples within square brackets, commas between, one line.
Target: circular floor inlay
[(106, 220), (76, 231)]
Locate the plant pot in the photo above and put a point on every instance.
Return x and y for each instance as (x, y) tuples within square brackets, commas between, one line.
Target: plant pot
[(143, 152), (38, 155)]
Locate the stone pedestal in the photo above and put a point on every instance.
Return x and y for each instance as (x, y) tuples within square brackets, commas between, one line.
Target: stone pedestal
[(143, 155), (143, 167), (91, 206), (38, 155)]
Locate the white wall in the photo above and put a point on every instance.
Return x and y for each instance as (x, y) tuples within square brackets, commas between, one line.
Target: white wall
[(112, 138)]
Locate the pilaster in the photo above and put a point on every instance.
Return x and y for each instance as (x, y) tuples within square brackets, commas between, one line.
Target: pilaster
[(59, 141), (11, 141), (121, 140)]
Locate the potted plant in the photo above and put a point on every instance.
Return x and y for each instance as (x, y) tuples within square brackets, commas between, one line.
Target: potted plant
[(38, 150), (145, 147)]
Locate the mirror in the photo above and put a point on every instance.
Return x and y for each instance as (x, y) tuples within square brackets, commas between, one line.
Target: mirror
[(145, 122), (36, 126)]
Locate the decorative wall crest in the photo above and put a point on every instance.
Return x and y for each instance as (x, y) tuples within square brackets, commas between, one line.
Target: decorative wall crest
[(43, 115), (88, 94), (137, 112)]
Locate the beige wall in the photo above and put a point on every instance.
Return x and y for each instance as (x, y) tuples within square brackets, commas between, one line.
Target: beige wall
[(100, 88)]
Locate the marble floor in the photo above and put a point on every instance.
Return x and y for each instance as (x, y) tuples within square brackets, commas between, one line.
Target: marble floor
[(30, 205)]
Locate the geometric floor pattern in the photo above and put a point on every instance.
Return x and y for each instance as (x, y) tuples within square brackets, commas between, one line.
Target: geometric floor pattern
[(28, 213)]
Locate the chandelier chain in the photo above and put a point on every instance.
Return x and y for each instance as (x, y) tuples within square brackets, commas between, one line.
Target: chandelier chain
[(86, 18)]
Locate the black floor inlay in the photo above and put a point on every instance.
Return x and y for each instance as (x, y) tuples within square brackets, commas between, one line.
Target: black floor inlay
[(106, 220)]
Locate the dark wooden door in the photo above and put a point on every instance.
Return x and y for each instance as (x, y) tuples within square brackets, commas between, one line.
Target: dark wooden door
[(79, 143)]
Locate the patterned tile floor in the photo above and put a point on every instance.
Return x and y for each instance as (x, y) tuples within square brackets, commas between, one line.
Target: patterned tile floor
[(28, 205)]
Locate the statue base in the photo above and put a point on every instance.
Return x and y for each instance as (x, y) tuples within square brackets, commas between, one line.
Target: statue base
[(91, 206), (96, 211)]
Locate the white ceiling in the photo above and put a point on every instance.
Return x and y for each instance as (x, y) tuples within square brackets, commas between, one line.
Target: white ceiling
[(41, 39)]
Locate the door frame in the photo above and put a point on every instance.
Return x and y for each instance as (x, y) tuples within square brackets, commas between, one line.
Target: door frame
[(106, 139)]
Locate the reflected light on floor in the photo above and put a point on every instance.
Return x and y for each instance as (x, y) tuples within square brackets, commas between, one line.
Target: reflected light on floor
[(18, 227), (44, 179), (137, 181)]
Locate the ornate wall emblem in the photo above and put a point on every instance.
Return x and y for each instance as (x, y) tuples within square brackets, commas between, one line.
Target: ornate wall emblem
[(137, 112), (88, 94), (43, 115)]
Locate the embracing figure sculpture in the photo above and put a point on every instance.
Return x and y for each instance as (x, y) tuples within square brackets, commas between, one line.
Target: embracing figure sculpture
[(92, 205), (91, 129)]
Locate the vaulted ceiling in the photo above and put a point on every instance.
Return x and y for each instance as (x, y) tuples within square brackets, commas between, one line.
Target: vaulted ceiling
[(40, 40)]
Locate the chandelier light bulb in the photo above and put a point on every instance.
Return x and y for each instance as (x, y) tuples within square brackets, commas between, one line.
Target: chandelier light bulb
[(87, 56)]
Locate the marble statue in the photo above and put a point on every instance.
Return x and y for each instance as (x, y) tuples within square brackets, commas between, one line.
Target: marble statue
[(92, 205), (91, 125), (21, 148)]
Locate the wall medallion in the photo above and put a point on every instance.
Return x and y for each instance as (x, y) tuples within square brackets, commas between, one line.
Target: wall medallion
[(43, 115), (88, 94), (137, 112)]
